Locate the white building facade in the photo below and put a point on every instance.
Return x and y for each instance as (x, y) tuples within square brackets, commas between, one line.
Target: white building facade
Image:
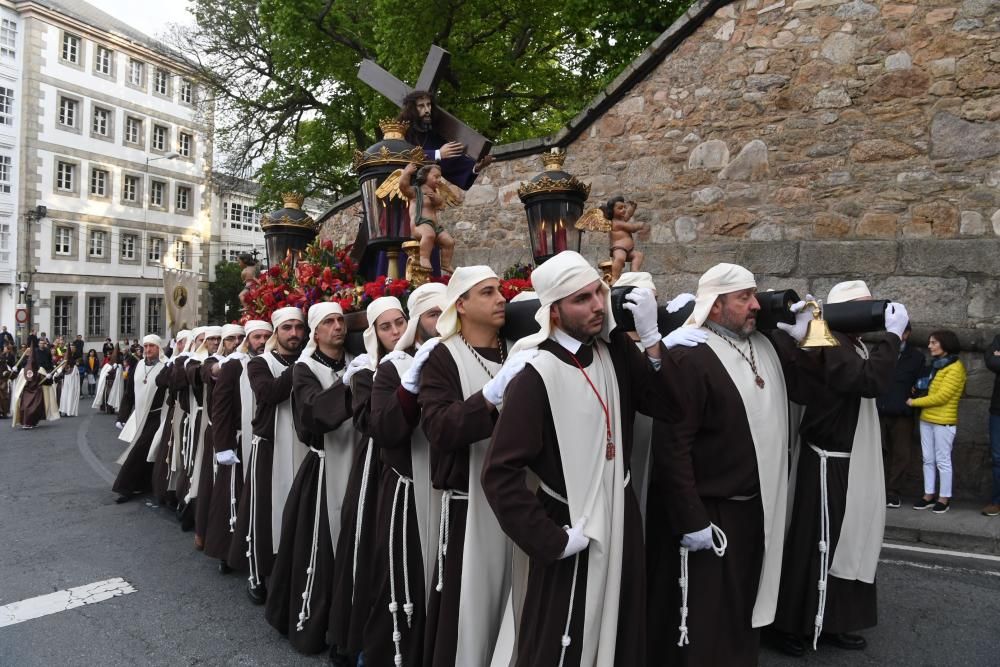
[(11, 116), (235, 220)]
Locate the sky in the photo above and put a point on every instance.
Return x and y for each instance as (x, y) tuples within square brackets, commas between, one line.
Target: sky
[(149, 17)]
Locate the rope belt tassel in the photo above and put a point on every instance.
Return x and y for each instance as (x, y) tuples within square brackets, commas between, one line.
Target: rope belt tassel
[(402, 483), (306, 610), (359, 519), (445, 525), (719, 544), (824, 536), (254, 577)]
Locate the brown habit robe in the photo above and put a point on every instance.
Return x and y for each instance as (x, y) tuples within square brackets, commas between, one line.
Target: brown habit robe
[(832, 401), (225, 410), (136, 474), (207, 479), (179, 382), (161, 466), (525, 439), (127, 404)]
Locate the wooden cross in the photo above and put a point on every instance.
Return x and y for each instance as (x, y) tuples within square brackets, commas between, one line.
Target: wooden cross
[(449, 127)]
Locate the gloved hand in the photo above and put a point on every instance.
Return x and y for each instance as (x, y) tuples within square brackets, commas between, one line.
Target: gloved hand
[(686, 336), (226, 458), (411, 378), (698, 541), (395, 355), (802, 317), (642, 303), (679, 302), (576, 541), (358, 363), (494, 389), (119, 425), (896, 318)]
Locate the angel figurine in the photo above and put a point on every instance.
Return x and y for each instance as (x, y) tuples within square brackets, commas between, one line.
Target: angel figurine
[(428, 193), (613, 219)]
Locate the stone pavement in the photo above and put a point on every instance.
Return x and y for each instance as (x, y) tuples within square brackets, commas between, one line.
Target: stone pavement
[(962, 528)]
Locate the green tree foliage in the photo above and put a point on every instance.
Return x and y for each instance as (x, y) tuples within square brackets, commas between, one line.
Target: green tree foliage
[(225, 291), (289, 110)]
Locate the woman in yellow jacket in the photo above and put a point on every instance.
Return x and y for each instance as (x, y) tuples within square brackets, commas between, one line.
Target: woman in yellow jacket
[(939, 417)]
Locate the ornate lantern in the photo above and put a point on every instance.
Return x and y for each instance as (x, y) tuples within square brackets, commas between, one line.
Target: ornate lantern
[(387, 219), (288, 230), (553, 202)]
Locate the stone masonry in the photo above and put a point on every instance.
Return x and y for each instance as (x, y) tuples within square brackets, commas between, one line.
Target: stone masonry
[(810, 140)]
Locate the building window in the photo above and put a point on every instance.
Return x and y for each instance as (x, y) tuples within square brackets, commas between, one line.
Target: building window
[(65, 176), (6, 164), (8, 39), (156, 190), (97, 239), (154, 315), (133, 130), (4, 242), (161, 83), (160, 138), (6, 106), (155, 250), (127, 308), (96, 307), (64, 240), (67, 111), (181, 253), (137, 73), (184, 144), (102, 121), (183, 198), (62, 307), (130, 188), (186, 91), (99, 182), (71, 48), (128, 246), (102, 60)]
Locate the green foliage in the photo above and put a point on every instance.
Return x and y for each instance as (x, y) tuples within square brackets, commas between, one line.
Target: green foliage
[(225, 291), (289, 110)]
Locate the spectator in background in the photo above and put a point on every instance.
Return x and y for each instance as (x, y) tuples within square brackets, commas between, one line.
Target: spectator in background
[(92, 366), (107, 347), (5, 338), (896, 418), (939, 417), (43, 355), (77, 346), (992, 359)]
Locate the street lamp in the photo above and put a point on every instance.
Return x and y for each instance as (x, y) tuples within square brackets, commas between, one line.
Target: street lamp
[(553, 202)]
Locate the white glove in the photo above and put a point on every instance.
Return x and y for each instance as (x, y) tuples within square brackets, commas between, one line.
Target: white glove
[(358, 363), (642, 303), (577, 541), (494, 389), (698, 541), (679, 302), (226, 458), (395, 355), (896, 318), (411, 378), (119, 425), (686, 336), (802, 318)]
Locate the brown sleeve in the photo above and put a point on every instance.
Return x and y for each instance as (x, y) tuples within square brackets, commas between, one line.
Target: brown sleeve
[(649, 386), (317, 411), (267, 389), (390, 419), (846, 372), (361, 396), (226, 407), (450, 421)]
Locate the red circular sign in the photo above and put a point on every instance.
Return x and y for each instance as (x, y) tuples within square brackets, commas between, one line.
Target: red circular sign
[(21, 316)]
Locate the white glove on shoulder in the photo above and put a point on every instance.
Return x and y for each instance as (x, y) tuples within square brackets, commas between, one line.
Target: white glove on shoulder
[(411, 378), (642, 303), (119, 425), (494, 389), (686, 336), (699, 540), (576, 541), (679, 302), (358, 363), (802, 317), (896, 318), (226, 458), (395, 355)]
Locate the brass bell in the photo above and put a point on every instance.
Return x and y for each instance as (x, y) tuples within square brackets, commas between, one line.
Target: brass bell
[(818, 334)]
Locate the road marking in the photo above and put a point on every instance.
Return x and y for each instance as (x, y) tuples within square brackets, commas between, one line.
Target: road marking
[(941, 552), (43, 605), (88, 454), (938, 568)]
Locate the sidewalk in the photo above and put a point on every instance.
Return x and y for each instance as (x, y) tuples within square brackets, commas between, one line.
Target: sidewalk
[(962, 528)]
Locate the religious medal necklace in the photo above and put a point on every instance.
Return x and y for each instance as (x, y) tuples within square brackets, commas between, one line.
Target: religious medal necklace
[(479, 357), (752, 360), (318, 356), (609, 447)]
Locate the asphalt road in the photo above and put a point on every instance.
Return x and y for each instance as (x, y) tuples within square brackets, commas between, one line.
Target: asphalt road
[(60, 528)]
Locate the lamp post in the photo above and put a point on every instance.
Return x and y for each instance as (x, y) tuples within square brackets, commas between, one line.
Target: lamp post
[(553, 202)]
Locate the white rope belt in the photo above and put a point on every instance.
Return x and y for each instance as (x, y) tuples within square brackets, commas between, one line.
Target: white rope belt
[(306, 611), (719, 544), (232, 498), (254, 577), (446, 497), (361, 514), (404, 484), (824, 535)]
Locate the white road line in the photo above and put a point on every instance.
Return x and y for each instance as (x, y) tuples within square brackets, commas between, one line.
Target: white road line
[(43, 605), (941, 552)]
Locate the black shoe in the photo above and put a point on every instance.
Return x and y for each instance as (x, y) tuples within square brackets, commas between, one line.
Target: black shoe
[(224, 567), (338, 659), (257, 594), (940, 507), (892, 500), (124, 498), (792, 645), (845, 641), (923, 503)]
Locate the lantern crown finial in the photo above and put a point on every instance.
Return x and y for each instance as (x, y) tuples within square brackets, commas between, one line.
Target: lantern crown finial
[(553, 160), (292, 199), (393, 129)]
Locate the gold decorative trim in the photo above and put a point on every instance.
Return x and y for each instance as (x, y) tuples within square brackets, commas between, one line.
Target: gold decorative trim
[(384, 156), (394, 129), (553, 160), (292, 199), (547, 184), (284, 221)]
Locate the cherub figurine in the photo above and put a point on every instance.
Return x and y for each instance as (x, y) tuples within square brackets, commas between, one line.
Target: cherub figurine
[(428, 194), (613, 219), (248, 272)]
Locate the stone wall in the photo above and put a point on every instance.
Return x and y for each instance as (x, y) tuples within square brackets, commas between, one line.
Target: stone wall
[(811, 141)]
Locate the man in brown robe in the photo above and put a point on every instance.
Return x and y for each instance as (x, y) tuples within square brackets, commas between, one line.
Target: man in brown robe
[(30, 404), (270, 375), (164, 476), (127, 404), (203, 356), (828, 580), (179, 461)]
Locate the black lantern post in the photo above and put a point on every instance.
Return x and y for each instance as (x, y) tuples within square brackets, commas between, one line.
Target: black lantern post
[(553, 202), (387, 218), (288, 230)]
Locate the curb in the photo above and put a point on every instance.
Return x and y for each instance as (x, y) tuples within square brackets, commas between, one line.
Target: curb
[(976, 543)]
